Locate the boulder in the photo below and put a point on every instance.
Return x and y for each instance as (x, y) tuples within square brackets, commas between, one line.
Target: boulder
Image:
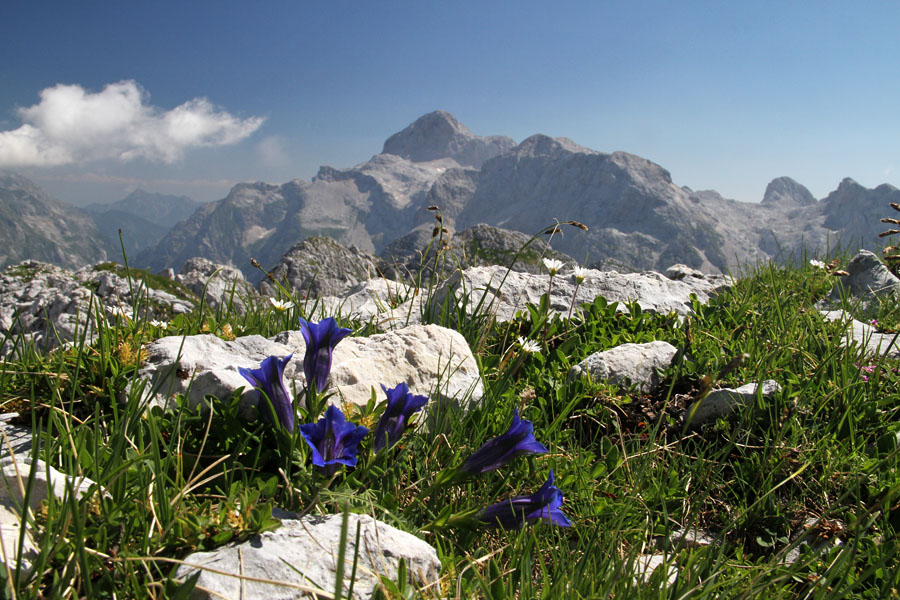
[(721, 403), (628, 364), (429, 358), (868, 278), (220, 285), (319, 266), (301, 556)]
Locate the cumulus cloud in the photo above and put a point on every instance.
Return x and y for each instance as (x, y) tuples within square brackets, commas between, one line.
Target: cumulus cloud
[(72, 125)]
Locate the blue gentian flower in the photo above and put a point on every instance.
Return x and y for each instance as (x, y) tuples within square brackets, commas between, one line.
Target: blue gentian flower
[(515, 512), (495, 453), (333, 440), (321, 338), (400, 407), (268, 380)]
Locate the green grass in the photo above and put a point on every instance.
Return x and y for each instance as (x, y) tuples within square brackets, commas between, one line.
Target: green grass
[(822, 451)]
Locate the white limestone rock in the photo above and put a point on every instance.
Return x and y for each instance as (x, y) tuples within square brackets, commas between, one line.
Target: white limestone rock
[(198, 365), (722, 402), (505, 292), (301, 557), (429, 358), (628, 364)]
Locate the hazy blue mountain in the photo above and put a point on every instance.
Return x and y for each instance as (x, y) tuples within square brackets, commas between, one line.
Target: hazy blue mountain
[(34, 225)]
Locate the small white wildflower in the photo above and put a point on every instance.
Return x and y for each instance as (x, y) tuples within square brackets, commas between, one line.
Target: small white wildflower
[(580, 274), (817, 263), (160, 324), (529, 346), (281, 306), (553, 265), (119, 311)]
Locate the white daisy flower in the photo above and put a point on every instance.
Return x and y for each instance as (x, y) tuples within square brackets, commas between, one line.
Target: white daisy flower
[(580, 274), (281, 306), (160, 324), (529, 346), (553, 265), (817, 263)]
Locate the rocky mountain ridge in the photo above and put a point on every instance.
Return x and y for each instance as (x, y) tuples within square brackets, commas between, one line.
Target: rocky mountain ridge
[(638, 217)]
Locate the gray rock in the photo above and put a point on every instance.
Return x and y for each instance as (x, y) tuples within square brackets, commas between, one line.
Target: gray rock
[(721, 403), (868, 278), (320, 266), (45, 305), (301, 557), (628, 364), (42, 305), (866, 336), (220, 285), (506, 293), (429, 358)]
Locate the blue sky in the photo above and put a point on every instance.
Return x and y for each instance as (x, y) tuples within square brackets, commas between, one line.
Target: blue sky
[(94, 96)]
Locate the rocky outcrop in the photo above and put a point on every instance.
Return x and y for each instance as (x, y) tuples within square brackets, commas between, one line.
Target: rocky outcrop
[(34, 226), (319, 266), (45, 305), (505, 293), (219, 285)]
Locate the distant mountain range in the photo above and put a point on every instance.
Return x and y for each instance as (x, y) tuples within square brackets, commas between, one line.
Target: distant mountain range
[(638, 218), (144, 218)]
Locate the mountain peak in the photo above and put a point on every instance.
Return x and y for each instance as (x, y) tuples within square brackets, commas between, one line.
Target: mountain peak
[(439, 134), (785, 192)]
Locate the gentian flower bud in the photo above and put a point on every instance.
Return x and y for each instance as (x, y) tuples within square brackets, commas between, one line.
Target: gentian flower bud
[(268, 380), (400, 407), (495, 453), (515, 512), (321, 338)]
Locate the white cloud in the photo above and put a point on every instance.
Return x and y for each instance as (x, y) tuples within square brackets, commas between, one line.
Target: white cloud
[(72, 125)]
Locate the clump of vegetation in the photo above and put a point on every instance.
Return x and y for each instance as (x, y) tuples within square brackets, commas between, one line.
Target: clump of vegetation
[(819, 458)]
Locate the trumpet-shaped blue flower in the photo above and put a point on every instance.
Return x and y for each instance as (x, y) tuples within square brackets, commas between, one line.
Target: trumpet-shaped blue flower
[(333, 440), (268, 381), (515, 512), (400, 407), (321, 338), (495, 453)]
